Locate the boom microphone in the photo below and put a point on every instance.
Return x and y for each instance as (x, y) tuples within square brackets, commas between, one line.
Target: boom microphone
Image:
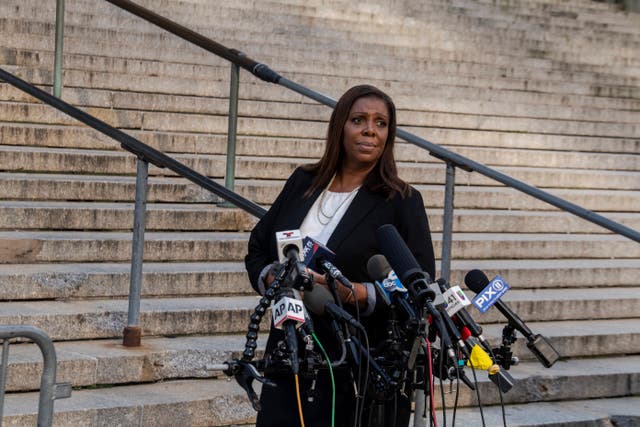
[(540, 346), (405, 265), (387, 284), (417, 281), (320, 301)]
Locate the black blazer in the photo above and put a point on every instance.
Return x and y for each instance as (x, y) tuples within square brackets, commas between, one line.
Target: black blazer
[(353, 240)]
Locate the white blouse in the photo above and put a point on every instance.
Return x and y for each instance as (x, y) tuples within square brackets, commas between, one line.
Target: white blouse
[(325, 214)]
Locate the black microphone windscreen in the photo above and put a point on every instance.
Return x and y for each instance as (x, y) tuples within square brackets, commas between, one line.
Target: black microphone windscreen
[(378, 267), (476, 280), (316, 298), (397, 253)]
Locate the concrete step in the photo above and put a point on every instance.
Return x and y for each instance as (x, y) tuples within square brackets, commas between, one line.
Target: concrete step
[(112, 280), (576, 338), (308, 128), (553, 273), (119, 216), (107, 361), (623, 174), (566, 380), (102, 246), (489, 63), (621, 411), (433, 95), (187, 402), (496, 148), (235, 14), (106, 318), (213, 402), (565, 304), (254, 103), (66, 215), (51, 246), (77, 28), (95, 362), (104, 280)]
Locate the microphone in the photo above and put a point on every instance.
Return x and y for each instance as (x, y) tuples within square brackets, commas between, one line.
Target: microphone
[(387, 284), (320, 258), (288, 313), (320, 301), (460, 315), (418, 282), (488, 294), (289, 246)]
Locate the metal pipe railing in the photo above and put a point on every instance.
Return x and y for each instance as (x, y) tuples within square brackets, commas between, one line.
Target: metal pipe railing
[(234, 85), (49, 390), (57, 64), (132, 332)]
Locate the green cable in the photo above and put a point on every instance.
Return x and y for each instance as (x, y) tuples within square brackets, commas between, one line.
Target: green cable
[(333, 381)]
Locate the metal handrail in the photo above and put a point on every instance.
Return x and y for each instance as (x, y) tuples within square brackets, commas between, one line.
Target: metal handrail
[(49, 390), (135, 146)]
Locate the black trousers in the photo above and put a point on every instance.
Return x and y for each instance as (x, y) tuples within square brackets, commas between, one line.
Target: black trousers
[(280, 407)]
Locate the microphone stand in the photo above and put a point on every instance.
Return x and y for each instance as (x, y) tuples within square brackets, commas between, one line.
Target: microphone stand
[(504, 355)]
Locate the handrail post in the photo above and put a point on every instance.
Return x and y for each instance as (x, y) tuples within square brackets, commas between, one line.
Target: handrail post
[(447, 221), (230, 173), (3, 376), (57, 63), (133, 332)]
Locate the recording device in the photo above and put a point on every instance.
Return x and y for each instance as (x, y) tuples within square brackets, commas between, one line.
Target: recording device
[(320, 258), (289, 244), (388, 286), (314, 251), (421, 288), (320, 301), (288, 313), (488, 293), (418, 282)]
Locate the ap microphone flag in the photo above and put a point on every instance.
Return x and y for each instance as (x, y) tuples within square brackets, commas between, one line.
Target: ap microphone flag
[(288, 308)]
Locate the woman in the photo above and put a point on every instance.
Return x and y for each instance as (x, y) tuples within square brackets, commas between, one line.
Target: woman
[(341, 201)]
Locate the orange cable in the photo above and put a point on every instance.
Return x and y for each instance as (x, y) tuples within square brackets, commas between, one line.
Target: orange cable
[(299, 400)]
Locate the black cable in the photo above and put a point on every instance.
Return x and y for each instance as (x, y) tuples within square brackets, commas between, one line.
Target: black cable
[(444, 407), (475, 382), (455, 403), (366, 377), (504, 415)]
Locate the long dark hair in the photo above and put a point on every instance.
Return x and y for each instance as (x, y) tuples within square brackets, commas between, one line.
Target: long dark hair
[(384, 176)]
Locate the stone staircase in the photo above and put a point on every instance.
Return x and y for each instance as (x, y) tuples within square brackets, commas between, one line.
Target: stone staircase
[(547, 93)]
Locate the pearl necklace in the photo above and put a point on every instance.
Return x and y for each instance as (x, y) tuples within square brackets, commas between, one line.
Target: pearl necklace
[(320, 213)]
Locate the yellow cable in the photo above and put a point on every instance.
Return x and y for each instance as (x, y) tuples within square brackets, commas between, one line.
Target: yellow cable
[(299, 401)]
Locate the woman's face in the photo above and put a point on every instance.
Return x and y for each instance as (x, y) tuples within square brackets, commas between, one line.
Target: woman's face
[(365, 132)]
